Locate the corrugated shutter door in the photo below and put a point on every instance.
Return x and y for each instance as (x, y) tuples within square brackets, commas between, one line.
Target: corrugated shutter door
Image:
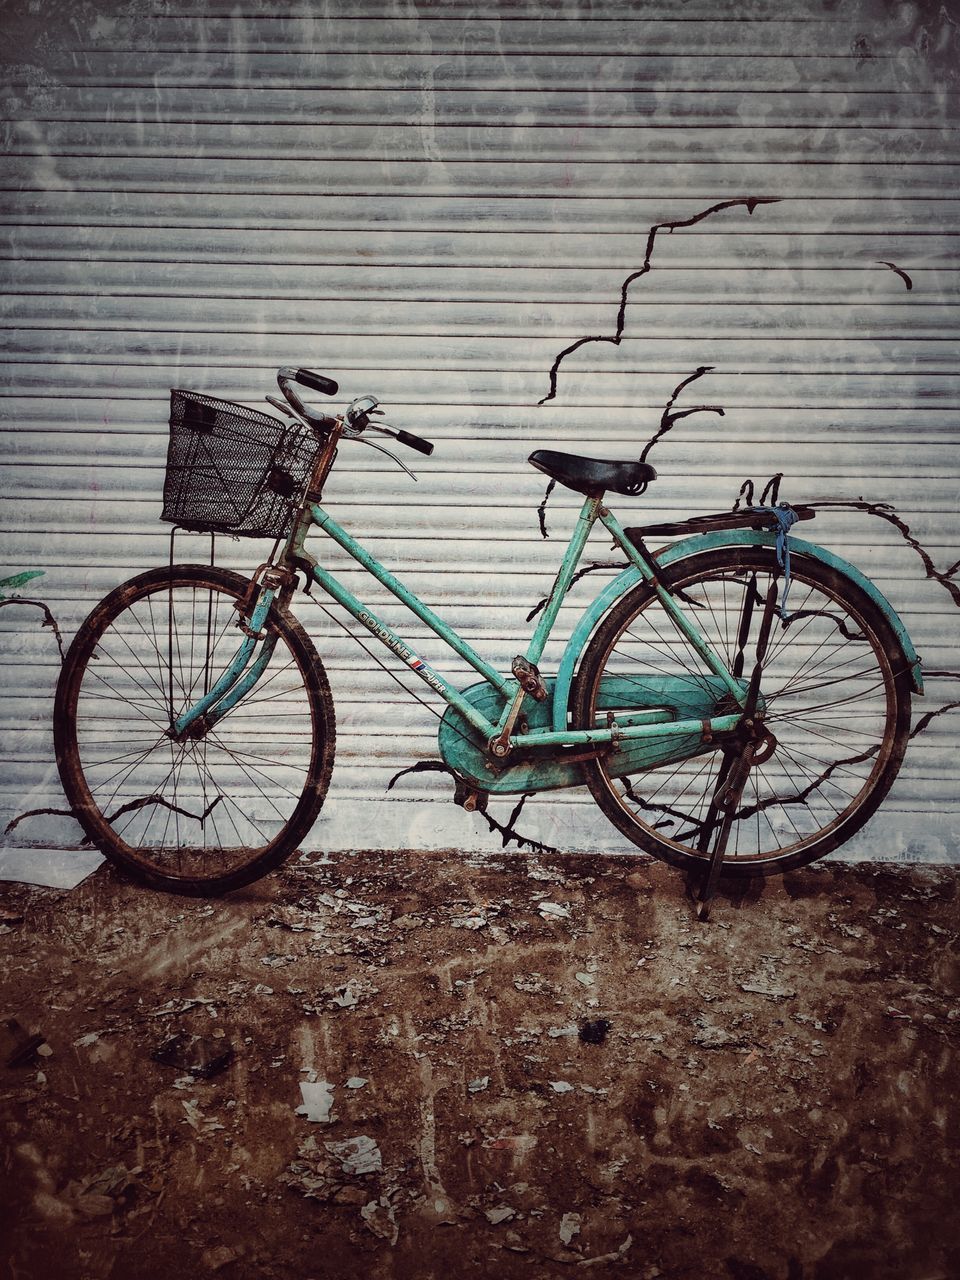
[(430, 204)]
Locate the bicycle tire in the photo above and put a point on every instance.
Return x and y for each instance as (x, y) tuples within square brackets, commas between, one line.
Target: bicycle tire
[(840, 731), (206, 815)]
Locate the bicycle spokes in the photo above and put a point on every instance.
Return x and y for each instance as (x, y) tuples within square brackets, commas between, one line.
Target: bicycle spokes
[(823, 725), (200, 807)]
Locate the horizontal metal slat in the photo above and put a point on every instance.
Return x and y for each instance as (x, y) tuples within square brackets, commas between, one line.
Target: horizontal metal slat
[(480, 69), (511, 142), (480, 33), (419, 177), (475, 105), (414, 263), (331, 294), (516, 487), (521, 355), (131, 465), (903, 212), (109, 413), (140, 376), (506, 11), (798, 315)]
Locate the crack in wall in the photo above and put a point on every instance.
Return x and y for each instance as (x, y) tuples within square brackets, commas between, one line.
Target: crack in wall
[(669, 416), (882, 262), (463, 789), (748, 202), (131, 805), (770, 493), (581, 573), (542, 515), (667, 419), (48, 619), (38, 813), (886, 511)]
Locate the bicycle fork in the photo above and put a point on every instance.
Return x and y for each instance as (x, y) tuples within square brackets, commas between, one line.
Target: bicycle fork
[(240, 674)]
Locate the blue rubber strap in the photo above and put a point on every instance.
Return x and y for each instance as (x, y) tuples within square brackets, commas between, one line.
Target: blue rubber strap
[(785, 517)]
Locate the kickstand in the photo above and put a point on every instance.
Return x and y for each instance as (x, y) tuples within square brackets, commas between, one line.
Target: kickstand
[(710, 881), (711, 878), (726, 797), (736, 768)]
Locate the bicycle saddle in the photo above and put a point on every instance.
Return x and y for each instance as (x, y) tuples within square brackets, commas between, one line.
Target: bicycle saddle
[(593, 476)]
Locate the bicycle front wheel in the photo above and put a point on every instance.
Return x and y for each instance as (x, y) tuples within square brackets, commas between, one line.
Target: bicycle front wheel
[(834, 695), (207, 814)]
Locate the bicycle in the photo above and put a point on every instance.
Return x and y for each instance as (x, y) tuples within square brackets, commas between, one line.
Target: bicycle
[(718, 730)]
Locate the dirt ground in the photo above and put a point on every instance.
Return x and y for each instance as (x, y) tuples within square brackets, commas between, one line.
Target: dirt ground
[(431, 1066)]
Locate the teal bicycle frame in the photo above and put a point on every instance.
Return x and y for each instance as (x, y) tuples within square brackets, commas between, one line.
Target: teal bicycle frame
[(499, 734)]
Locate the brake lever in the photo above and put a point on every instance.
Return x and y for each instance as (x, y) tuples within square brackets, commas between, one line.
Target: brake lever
[(379, 447), (279, 404)]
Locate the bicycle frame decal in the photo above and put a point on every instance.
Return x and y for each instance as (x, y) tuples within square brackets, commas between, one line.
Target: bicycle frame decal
[(400, 649)]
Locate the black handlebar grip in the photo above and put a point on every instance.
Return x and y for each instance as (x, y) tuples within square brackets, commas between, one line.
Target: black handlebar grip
[(415, 442), (317, 382)]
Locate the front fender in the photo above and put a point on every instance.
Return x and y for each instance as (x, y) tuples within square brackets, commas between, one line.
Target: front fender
[(709, 542)]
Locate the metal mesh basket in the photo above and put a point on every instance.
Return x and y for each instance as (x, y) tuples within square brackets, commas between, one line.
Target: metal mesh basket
[(233, 470)]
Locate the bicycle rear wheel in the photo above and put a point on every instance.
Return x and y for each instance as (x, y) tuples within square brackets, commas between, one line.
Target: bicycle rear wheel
[(834, 693), (208, 814)]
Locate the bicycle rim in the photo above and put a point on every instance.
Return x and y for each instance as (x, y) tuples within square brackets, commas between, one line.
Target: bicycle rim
[(203, 815), (834, 694)]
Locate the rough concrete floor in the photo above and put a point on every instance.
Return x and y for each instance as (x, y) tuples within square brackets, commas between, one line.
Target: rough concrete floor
[(774, 1097)]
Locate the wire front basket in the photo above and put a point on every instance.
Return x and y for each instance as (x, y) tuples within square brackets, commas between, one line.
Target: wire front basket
[(231, 469)]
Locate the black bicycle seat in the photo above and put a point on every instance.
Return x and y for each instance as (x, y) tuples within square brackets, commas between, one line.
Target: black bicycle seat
[(593, 476)]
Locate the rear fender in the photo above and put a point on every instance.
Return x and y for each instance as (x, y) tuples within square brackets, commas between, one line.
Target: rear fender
[(709, 542)]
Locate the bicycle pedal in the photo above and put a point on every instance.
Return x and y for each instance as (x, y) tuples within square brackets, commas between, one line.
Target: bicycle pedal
[(529, 678)]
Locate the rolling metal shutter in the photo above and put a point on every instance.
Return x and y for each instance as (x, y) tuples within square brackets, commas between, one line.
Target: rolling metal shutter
[(430, 201)]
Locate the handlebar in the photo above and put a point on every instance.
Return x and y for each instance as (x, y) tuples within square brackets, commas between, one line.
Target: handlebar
[(357, 416), (316, 381), (320, 422), (413, 442)]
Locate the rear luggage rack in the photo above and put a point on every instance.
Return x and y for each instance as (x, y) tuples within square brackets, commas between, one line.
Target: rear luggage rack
[(748, 518)]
